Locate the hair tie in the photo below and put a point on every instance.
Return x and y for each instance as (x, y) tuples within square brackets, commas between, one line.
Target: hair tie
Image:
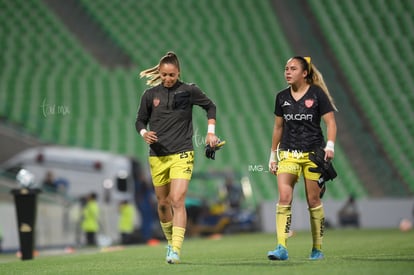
[(308, 60)]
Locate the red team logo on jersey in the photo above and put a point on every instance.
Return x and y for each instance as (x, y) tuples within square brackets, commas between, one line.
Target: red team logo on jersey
[(309, 103), (156, 101)]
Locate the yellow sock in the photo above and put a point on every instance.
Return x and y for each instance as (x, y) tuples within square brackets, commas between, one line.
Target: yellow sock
[(167, 228), (317, 221), (283, 221), (177, 238)]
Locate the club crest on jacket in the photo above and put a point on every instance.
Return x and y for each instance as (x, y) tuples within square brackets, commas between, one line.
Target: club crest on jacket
[(156, 102), (309, 103)]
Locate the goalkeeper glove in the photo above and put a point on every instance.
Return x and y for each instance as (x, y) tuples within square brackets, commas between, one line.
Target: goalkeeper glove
[(211, 151), (325, 168)]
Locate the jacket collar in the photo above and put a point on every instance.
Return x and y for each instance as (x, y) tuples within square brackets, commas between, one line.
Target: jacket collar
[(175, 86)]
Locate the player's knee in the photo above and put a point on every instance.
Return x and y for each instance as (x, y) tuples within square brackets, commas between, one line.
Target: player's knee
[(285, 199), (164, 205), (314, 201), (177, 203)]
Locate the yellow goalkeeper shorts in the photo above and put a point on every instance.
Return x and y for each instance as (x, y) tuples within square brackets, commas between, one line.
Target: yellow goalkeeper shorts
[(296, 162), (175, 166)]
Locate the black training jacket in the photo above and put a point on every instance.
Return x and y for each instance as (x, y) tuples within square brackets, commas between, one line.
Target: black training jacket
[(168, 112)]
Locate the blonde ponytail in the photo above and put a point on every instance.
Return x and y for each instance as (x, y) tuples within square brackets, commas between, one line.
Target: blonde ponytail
[(153, 76), (317, 79)]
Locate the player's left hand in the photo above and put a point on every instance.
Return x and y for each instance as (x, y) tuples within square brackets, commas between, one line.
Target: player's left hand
[(210, 151), (212, 140), (329, 155)]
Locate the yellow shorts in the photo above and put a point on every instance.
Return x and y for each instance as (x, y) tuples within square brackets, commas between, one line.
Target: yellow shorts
[(295, 162), (176, 166)]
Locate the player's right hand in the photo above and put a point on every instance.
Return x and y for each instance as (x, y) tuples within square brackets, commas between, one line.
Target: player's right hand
[(273, 167), (150, 137), (272, 162)]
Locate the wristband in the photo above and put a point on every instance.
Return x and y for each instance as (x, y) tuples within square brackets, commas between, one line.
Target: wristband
[(272, 156), (142, 132), (211, 129), (330, 146)]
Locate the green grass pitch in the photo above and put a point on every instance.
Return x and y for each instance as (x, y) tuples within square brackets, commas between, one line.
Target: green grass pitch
[(348, 251)]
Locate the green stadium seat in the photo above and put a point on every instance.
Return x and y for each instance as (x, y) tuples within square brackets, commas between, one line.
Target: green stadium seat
[(384, 44)]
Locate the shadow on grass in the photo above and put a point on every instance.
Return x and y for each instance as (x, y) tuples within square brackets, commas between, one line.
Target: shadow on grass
[(248, 263), (380, 259)]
